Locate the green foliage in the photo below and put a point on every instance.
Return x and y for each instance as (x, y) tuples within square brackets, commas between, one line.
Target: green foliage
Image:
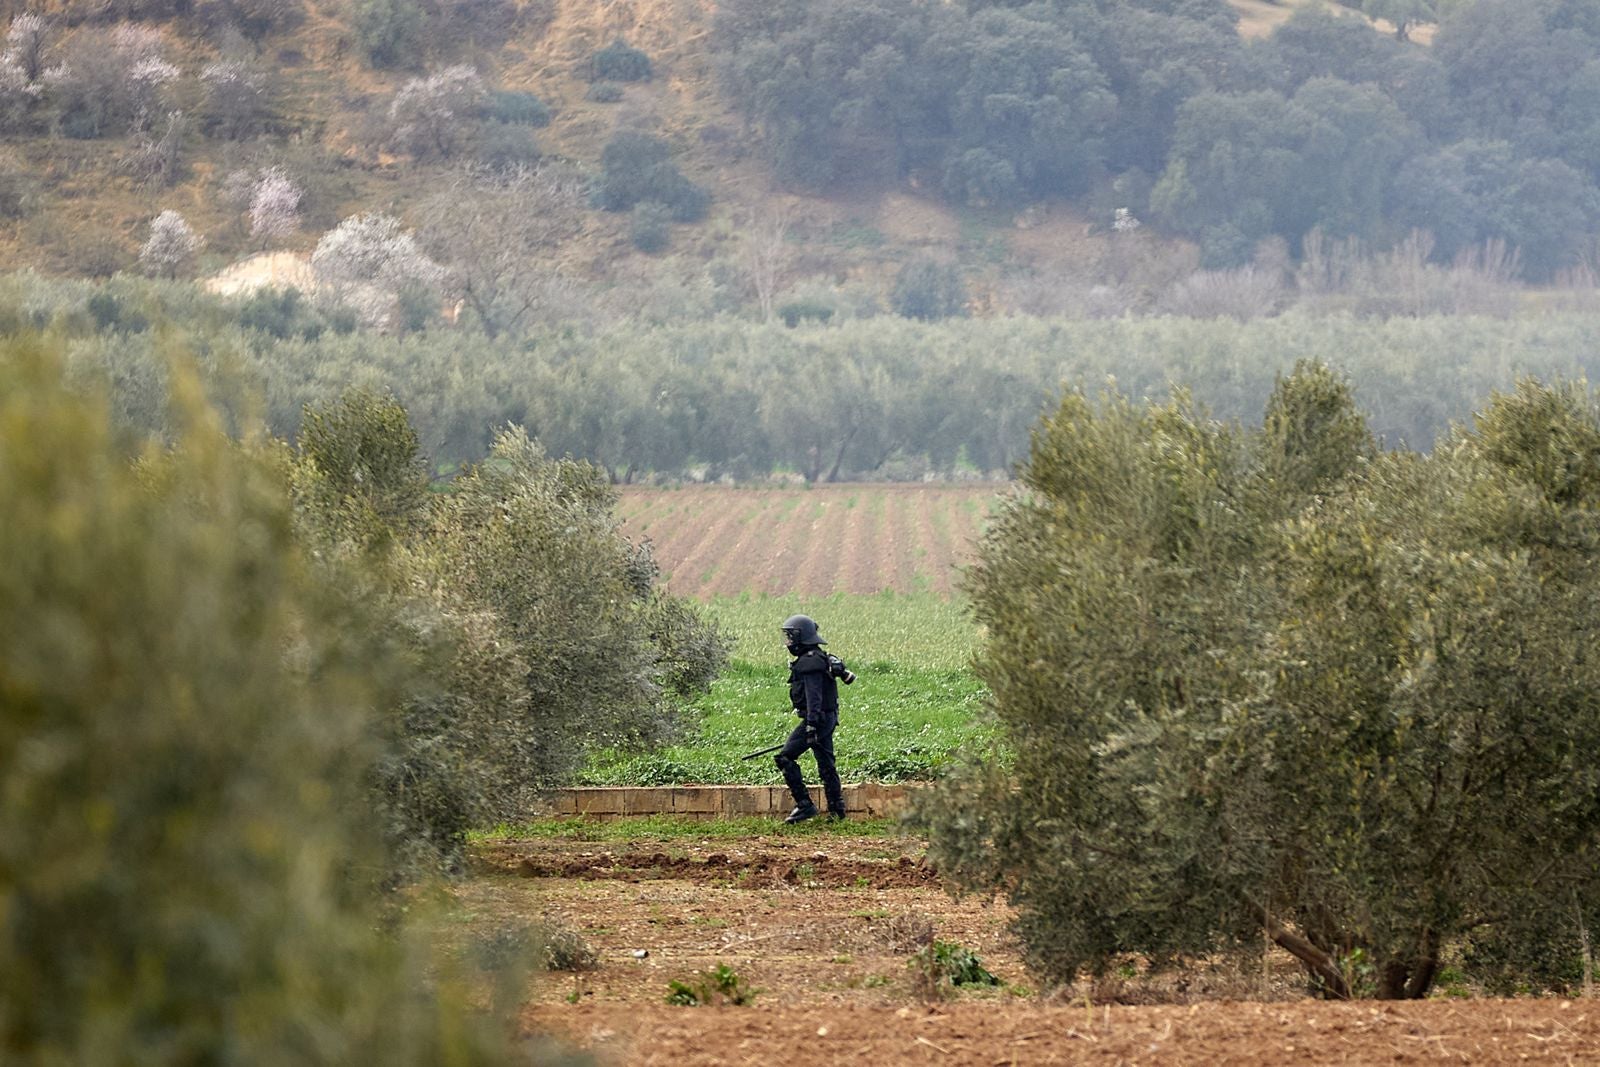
[(795, 312), (649, 227), (363, 456), (902, 396), (518, 107), (619, 62), (391, 33), (636, 168), (718, 986), (281, 314), (913, 707), (941, 966), (506, 146), (186, 711), (541, 625), (1275, 681), (928, 290), (1000, 103), (604, 93)]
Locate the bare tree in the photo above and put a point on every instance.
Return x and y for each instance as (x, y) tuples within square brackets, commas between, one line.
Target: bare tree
[(157, 159), (766, 257), (497, 236)]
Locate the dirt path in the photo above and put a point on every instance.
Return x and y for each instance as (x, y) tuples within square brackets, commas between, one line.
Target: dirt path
[(824, 928)]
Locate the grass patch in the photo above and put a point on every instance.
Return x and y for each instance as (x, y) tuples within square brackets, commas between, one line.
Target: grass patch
[(896, 724), (900, 629), (914, 704), (678, 827)]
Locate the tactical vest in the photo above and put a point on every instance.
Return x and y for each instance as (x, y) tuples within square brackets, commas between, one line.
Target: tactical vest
[(813, 661)]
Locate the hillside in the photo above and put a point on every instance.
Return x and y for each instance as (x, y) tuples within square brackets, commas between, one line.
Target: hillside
[(88, 207)]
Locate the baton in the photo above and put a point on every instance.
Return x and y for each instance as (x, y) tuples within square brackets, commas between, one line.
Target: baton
[(764, 751)]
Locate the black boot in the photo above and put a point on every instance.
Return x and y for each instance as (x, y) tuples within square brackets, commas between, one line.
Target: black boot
[(801, 813), (836, 815)]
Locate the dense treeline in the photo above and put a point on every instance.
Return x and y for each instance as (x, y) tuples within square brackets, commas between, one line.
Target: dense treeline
[(1277, 683), (886, 397), (1162, 108)]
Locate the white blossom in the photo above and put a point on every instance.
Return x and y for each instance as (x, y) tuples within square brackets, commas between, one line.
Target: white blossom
[(429, 116), (172, 244), (1124, 221), (25, 44), (366, 261), (274, 205)]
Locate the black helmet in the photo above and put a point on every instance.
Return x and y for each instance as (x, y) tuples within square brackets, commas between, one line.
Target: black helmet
[(802, 630)]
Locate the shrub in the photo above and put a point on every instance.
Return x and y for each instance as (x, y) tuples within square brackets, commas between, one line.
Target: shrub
[(617, 62), (795, 312), (17, 188), (649, 228), (604, 93), (391, 33), (929, 290), (189, 703), (475, 25), (636, 167), (939, 966), (518, 107), (720, 985), (253, 19), (504, 146)]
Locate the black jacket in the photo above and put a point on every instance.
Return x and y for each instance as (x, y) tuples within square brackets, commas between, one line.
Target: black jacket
[(812, 688)]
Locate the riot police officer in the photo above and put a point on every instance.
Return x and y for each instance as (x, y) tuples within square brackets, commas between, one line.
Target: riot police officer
[(814, 693)]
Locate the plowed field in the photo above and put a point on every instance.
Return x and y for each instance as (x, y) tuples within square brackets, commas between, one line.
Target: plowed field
[(719, 541), (824, 927)]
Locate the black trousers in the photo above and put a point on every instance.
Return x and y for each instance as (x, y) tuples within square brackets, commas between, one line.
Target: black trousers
[(823, 750)]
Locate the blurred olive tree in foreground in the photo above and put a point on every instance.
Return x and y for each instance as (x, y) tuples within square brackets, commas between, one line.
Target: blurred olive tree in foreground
[(1274, 682), (195, 710)]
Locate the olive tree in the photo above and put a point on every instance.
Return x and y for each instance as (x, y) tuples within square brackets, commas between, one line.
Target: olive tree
[(1273, 683), (187, 702), (543, 626)]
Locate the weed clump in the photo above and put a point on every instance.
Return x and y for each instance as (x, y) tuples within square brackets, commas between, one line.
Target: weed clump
[(939, 966), (720, 985)]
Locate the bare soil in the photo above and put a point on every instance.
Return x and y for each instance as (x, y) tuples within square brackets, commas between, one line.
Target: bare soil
[(824, 928), (850, 538)]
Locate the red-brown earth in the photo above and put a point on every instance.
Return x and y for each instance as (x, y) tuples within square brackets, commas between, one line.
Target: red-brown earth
[(853, 538), (824, 927)]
